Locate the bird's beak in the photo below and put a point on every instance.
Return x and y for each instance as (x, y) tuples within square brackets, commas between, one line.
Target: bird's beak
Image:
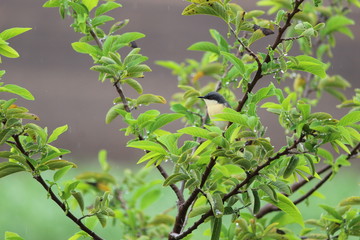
[(201, 97)]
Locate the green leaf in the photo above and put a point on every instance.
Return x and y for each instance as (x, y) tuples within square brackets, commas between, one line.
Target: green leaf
[(350, 118), (350, 201), (199, 210), (129, 37), (8, 51), (7, 168), (164, 119), (79, 198), (235, 61), (108, 6), (52, 3), (269, 191), (149, 198), (58, 164), (83, 47), (331, 211), (12, 32), (61, 172), (217, 205), (37, 130), (102, 156), (57, 132), (204, 46), (211, 7), (147, 99), (216, 228), (335, 23), (102, 219), (308, 64), (6, 134), (290, 168), (286, 205), (20, 91), (97, 21), (90, 4), (177, 177), (12, 236), (113, 113), (195, 131), (147, 145)]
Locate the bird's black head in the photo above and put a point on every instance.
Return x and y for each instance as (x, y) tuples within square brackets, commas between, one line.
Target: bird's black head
[(215, 96)]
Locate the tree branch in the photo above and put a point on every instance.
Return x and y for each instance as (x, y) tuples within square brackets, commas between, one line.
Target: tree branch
[(270, 208), (183, 209), (53, 196), (267, 59), (175, 235)]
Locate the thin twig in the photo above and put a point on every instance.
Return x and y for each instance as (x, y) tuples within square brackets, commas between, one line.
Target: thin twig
[(270, 208), (176, 236), (53, 196), (183, 209), (127, 108), (278, 40), (247, 48)]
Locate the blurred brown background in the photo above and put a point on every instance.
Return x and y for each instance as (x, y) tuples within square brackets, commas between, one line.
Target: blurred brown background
[(67, 92)]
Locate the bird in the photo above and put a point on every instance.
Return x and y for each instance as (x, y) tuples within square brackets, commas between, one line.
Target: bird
[(215, 104)]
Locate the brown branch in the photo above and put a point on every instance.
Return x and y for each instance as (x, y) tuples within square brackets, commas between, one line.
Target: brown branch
[(183, 209), (53, 196), (122, 96), (278, 40), (175, 235), (270, 208), (176, 190), (247, 48), (127, 108)]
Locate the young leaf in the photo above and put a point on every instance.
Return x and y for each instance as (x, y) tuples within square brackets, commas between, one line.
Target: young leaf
[(195, 131), (58, 164), (90, 4), (211, 7), (290, 168), (61, 172), (216, 228), (102, 156), (8, 51), (79, 198), (204, 46), (7, 168), (108, 6), (57, 132), (177, 177), (97, 21), (235, 61), (350, 118), (12, 236), (164, 119), (20, 91), (83, 47), (308, 64), (286, 205), (12, 32), (147, 145), (113, 113), (147, 99)]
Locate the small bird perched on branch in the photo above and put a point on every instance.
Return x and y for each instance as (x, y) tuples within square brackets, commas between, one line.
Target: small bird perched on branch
[(215, 104)]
